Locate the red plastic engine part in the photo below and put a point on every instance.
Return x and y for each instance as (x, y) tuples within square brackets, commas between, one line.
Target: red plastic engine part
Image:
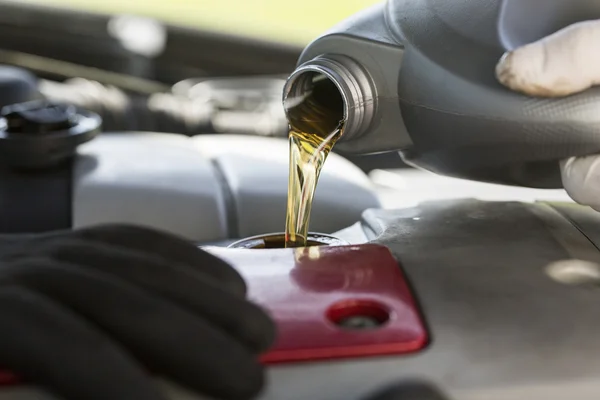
[(331, 302), (328, 302), (6, 378)]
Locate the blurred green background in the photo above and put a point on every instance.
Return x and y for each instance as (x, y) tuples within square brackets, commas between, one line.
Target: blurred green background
[(290, 21)]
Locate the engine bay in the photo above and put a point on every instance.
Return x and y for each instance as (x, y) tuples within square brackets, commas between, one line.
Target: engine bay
[(201, 146)]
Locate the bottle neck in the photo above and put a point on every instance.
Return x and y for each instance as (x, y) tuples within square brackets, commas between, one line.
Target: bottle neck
[(336, 84)]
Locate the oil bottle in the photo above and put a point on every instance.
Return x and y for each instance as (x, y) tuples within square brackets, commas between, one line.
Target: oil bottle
[(417, 76)]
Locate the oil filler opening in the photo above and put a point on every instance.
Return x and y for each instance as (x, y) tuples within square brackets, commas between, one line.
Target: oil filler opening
[(277, 241)]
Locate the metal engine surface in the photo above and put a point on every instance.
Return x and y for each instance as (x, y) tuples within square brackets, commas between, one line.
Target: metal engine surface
[(501, 327)]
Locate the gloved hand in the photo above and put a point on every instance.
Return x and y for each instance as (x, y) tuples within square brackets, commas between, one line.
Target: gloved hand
[(87, 313), (561, 64)]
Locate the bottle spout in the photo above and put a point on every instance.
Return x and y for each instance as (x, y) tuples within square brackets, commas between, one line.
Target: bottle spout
[(326, 92)]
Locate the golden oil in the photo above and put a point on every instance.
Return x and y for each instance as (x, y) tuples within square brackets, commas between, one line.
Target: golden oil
[(316, 119)]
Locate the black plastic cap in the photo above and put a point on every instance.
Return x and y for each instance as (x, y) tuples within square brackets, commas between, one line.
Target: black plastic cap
[(17, 86), (41, 134)]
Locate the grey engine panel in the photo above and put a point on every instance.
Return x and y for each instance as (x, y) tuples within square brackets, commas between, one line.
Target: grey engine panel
[(207, 188), (501, 328)]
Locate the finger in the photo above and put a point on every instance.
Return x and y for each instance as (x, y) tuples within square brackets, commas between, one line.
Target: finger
[(581, 179), (162, 336), (561, 64), (170, 247), (198, 293), (49, 345)]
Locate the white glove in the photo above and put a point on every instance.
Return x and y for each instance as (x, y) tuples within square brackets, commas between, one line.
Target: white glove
[(561, 64)]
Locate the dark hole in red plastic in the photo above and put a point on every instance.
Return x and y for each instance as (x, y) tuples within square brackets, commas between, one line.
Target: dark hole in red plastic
[(358, 314), (7, 378)]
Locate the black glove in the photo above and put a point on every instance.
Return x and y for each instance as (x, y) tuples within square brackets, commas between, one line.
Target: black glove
[(87, 313)]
